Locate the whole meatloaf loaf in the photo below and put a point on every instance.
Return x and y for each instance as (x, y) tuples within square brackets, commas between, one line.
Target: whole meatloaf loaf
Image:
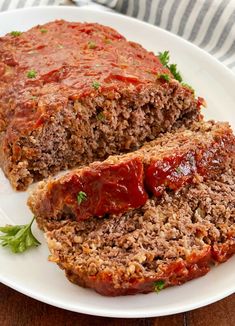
[(166, 242), (125, 182), (71, 93)]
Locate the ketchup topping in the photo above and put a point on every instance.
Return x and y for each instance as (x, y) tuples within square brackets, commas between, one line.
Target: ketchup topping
[(115, 188), (109, 189), (174, 171), (170, 172), (222, 252)]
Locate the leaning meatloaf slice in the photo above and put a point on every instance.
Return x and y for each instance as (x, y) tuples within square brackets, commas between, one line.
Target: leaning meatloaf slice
[(124, 182), (71, 93), (166, 242)]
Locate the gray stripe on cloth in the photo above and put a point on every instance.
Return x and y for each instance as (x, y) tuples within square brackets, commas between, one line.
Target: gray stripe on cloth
[(229, 52), (136, 8), (172, 14), (160, 8), (124, 6), (36, 2), (214, 22), (185, 16), (130, 8), (21, 4), (110, 3), (147, 10), (231, 65), (5, 5), (118, 5), (201, 15), (224, 34)]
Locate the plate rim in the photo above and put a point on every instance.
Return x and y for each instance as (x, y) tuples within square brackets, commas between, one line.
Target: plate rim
[(111, 312)]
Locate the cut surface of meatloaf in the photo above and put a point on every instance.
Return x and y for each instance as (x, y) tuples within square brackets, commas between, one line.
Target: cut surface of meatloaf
[(71, 93), (124, 182), (166, 242)]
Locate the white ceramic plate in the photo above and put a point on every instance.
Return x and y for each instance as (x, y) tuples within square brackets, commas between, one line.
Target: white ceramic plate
[(30, 273)]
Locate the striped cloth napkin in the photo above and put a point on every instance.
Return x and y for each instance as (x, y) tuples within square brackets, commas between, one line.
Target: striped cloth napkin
[(210, 24)]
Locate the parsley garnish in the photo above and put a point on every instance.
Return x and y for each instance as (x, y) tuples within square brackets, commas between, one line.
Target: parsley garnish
[(165, 77), (16, 33), (178, 170), (82, 196), (91, 45), (188, 86), (192, 160), (158, 285), (95, 85), (31, 74), (107, 41), (100, 116), (164, 57), (43, 30), (175, 72), (18, 237)]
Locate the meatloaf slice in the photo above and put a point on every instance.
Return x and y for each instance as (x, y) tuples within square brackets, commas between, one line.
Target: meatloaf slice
[(125, 182), (166, 242), (71, 93)]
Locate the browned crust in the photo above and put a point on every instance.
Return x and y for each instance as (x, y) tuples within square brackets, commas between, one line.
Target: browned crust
[(175, 274)]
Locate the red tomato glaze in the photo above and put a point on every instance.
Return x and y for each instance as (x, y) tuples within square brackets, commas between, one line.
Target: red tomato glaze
[(170, 172), (108, 188), (116, 188), (174, 171), (223, 251)]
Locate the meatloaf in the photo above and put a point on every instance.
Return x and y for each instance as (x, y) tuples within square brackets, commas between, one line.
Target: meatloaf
[(125, 182), (166, 242), (71, 93)]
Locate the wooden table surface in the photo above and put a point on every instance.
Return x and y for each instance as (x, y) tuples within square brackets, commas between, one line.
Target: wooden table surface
[(18, 310)]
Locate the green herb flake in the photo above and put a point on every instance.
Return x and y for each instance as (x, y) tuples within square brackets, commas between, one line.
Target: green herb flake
[(31, 74), (91, 45), (33, 97), (43, 30), (100, 116), (165, 77), (96, 85), (158, 285), (107, 41), (82, 196), (178, 170), (175, 72), (18, 238), (60, 46), (192, 160), (16, 33), (188, 86), (164, 57)]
